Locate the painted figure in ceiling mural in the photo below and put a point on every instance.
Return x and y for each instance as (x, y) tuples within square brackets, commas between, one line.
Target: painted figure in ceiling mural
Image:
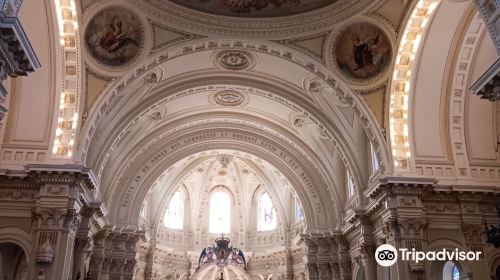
[(362, 51), (254, 8), (115, 39), (113, 36)]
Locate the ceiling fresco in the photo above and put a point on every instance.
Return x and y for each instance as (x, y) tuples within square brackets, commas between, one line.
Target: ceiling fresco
[(362, 51), (254, 8), (114, 36)]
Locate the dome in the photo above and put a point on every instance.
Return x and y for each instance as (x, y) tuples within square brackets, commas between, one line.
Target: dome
[(254, 8)]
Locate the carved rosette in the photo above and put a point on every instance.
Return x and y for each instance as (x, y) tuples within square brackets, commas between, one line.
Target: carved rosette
[(235, 60), (229, 98)]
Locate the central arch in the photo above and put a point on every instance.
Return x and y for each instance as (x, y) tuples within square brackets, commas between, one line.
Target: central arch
[(137, 115), (315, 189)]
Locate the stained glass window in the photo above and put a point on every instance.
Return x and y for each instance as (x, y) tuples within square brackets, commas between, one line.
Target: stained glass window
[(267, 213), (174, 216), (455, 273), (299, 216), (220, 212)]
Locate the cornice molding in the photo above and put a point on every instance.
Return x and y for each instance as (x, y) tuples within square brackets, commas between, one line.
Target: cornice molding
[(268, 27)]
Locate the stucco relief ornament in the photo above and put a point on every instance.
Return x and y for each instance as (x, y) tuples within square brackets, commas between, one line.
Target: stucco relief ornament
[(45, 253), (151, 78), (224, 160), (234, 60), (229, 98)]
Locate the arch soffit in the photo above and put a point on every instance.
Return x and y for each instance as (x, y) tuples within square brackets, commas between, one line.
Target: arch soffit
[(453, 85), (107, 101), (298, 172), (201, 120), (337, 135), (119, 158), (414, 28), (412, 40), (18, 237), (453, 92), (134, 118)]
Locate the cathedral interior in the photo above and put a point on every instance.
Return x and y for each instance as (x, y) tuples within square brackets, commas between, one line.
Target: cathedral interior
[(249, 139)]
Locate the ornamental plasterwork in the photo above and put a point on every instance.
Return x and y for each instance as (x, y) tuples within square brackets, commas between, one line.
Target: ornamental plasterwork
[(106, 103), (173, 149), (229, 97), (317, 87), (224, 160), (254, 9), (273, 97), (65, 131), (299, 120), (286, 26), (458, 94), (409, 45), (234, 60)]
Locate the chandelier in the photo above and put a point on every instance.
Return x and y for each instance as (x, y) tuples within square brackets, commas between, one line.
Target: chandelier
[(493, 232)]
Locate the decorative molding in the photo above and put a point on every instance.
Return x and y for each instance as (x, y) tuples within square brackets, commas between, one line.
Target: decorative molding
[(172, 14), (234, 60), (229, 98), (70, 98), (458, 94), (402, 80), (106, 103), (195, 141)]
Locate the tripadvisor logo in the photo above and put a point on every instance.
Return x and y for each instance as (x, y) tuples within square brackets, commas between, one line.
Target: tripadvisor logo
[(387, 255)]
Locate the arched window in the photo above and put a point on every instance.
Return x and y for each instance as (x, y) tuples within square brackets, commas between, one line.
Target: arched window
[(455, 273), (299, 216), (267, 213), (350, 185), (451, 271), (143, 210), (174, 216), (373, 153), (220, 213)]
